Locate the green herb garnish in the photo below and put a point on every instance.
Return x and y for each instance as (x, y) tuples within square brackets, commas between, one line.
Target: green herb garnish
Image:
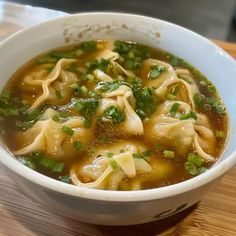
[(114, 165), (155, 72), (145, 101), (66, 179), (58, 167), (95, 64), (197, 160), (58, 94), (138, 155), (147, 153), (175, 90), (169, 154), (109, 155), (199, 100), (114, 114), (89, 46), (191, 168), (67, 130), (131, 54), (220, 134), (108, 86), (56, 118), (87, 123), (190, 115), (77, 145), (174, 109), (87, 106), (201, 170)]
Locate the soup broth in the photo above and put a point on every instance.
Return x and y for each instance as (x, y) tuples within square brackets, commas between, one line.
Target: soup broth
[(113, 115)]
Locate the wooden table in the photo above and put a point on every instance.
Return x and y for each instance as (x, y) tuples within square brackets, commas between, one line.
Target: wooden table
[(214, 215)]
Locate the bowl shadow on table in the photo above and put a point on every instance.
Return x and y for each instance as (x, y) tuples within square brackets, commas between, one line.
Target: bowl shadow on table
[(46, 222), (168, 226)]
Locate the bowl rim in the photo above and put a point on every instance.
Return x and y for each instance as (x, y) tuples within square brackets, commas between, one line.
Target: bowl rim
[(108, 195)]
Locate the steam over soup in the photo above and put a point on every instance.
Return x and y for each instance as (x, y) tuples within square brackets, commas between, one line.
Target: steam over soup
[(113, 115)]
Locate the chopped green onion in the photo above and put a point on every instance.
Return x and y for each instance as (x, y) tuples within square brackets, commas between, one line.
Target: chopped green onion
[(75, 88), (90, 77), (155, 72), (58, 94), (129, 65), (147, 153), (141, 113), (83, 77), (191, 168), (73, 68), (95, 64), (202, 170), (58, 167), (32, 114), (159, 146), (46, 59), (49, 69), (67, 130), (145, 100), (89, 46), (218, 107), (86, 106), (203, 83), (197, 160), (59, 55), (190, 115), (108, 86), (199, 100), (47, 163), (37, 156), (93, 94), (138, 155), (114, 114), (79, 52), (168, 154), (78, 106), (131, 55), (77, 145), (170, 96), (87, 123), (114, 165), (175, 90), (6, 94), (174, 60), (56, 118), (211, 88), (10, 111), (66, 179), (220, 134), (84, 91), (174, 109), (24, 124), (64, 114), (109, 155)]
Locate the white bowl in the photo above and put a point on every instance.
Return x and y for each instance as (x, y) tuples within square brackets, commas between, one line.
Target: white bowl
[(127, 207)]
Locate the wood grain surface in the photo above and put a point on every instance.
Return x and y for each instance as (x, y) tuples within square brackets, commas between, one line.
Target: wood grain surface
[(214, 215)]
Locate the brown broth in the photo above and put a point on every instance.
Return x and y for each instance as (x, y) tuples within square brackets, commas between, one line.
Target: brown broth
[(105, 134)]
